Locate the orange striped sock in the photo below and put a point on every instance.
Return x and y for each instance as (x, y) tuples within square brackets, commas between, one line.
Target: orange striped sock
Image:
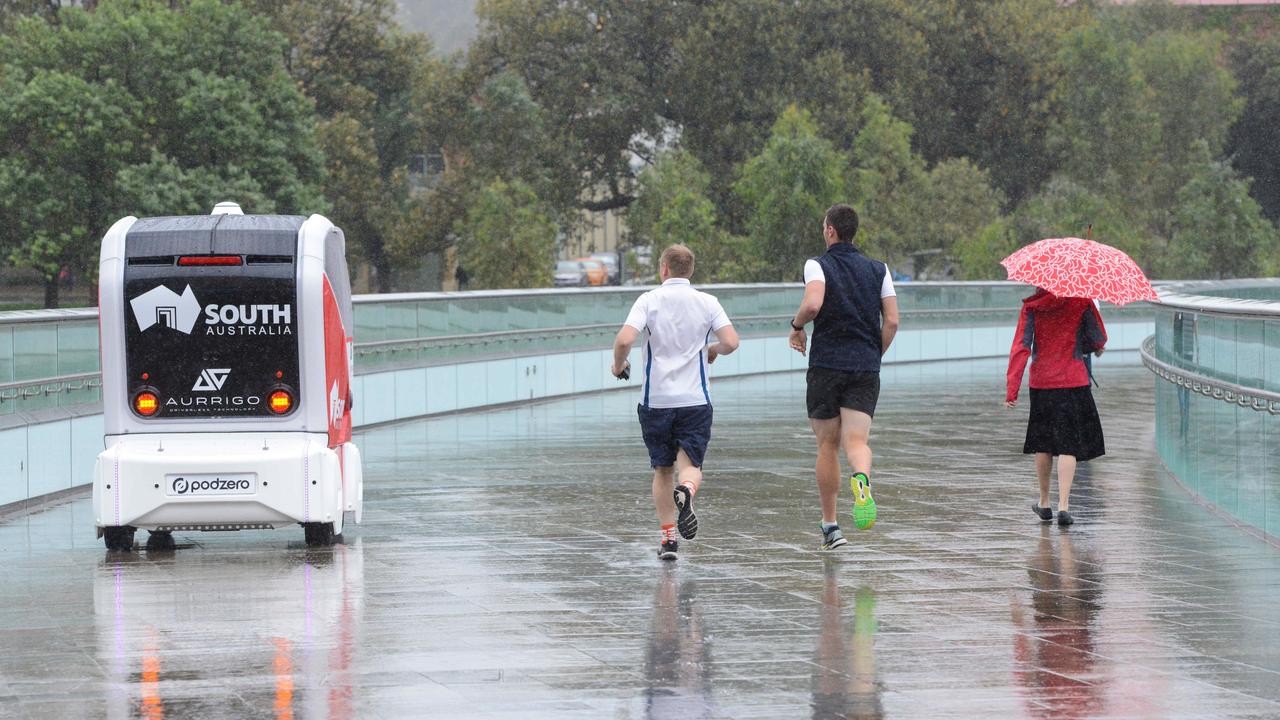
[(668, 532)]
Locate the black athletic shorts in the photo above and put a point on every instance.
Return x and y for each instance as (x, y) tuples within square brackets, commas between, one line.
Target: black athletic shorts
[(830, 390)]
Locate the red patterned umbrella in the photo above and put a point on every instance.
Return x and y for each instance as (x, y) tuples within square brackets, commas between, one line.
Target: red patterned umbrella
[(1072, 267)]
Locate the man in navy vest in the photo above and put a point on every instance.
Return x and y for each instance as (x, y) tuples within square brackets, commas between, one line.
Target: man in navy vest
[(851, 301)]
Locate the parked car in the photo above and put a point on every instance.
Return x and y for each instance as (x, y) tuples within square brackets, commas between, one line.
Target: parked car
[(610, 261), (597, 273), (570, 273)]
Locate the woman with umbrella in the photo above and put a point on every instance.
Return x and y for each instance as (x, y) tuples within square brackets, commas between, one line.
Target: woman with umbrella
[(1058, 328)]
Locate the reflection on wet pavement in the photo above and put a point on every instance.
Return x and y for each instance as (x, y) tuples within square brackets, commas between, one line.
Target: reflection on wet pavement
[(1054, 651), (845, 680), (679, 658), (506, 570), (204, 634)]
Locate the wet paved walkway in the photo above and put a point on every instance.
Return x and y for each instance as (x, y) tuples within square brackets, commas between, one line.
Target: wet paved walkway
[(506, 570)]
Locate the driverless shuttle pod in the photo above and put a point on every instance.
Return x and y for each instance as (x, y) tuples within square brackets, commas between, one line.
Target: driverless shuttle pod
[(226, 377)]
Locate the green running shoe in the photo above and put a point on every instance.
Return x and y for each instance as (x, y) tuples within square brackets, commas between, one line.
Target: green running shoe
[(864, 506)]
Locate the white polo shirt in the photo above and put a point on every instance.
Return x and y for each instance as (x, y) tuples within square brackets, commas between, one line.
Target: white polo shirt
[(677, 321)]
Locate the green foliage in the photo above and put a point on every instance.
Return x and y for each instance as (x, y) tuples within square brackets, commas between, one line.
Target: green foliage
[(889, 184), (1219, 231), (1106, 132), (133, 108), (1067, 209), (1252, 146), (674, 206), (959, 205), (978, 256), (1195, 99), (786, 189), (599, 71), (1059, 116), (368, 81), (507, 239), (1191, 93), (992, 70)]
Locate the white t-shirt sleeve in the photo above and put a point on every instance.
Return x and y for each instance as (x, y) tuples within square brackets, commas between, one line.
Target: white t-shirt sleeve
[(886, 287), (719, 318), (813, 272), (639, 315)]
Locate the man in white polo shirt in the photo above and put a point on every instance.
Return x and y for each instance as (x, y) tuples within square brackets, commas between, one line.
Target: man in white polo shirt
[(675, 405)]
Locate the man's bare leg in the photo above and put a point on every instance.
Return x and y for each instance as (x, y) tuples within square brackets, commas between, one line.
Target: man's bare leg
[(855, 432), (689, 474), (690, 477), (664, 486), (1044, 469), (827, 468)]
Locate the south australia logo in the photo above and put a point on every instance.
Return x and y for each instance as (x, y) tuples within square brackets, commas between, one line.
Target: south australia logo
[(162, 306)]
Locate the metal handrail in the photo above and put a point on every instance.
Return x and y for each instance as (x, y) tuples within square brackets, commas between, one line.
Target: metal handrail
[(27, 317), (1246, 397), (574, 329), (69, 383), (625, 289), (49, 386), (1219, 306)]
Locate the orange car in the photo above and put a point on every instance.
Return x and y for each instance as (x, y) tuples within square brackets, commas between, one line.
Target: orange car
[(597, 273)]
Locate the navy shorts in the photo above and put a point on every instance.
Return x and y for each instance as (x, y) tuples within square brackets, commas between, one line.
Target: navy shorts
[(668, 430)]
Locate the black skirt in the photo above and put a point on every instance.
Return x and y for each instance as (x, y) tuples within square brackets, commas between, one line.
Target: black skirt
[(1064, 421)]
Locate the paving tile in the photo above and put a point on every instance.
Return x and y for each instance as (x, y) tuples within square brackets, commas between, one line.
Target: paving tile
[(506, 569)]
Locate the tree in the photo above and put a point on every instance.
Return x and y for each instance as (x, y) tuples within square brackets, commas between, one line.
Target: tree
[(1191, 92), (889, 184), (978, 255), (507, 239), (1194, 98), (64, 142), (1107, 133), (1219, 230), (673, 206), (600, 71), (785, 190), (1064, 208), (1251, 145), (991, 69), (130, 108), (367, 80), (959, 204)]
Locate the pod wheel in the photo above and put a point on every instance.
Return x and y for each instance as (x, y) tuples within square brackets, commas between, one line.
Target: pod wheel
[(119, 537), (318, 534), (160, 540)]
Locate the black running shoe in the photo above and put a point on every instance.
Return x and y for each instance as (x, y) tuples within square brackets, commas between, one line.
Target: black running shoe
[(667, 550), (1045, 513), (1064, 518), (832, 538), (686, 522)]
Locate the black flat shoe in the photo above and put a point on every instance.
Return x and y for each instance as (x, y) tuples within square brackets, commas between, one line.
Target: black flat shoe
[(1044, 512), (1064, 518)]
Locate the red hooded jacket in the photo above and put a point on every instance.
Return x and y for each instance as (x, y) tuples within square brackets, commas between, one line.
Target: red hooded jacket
[(1056, 334)]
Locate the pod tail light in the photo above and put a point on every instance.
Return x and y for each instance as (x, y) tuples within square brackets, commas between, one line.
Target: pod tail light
[(280, 402), (146, 403)]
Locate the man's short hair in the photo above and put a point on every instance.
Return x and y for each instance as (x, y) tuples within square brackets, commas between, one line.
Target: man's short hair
[(679, 261), (844, 219)]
